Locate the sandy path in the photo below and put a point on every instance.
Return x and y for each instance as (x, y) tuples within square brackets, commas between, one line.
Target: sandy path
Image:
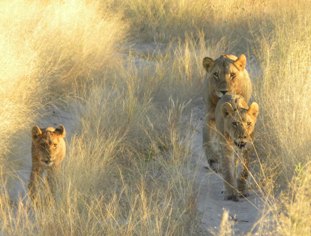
[(242, 214)]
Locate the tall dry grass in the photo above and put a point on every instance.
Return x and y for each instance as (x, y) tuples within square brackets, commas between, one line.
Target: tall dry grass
[(125, 169), (47, 49), (284, 92), (276, 37), (285, 80), (157, 20), (113, 184)]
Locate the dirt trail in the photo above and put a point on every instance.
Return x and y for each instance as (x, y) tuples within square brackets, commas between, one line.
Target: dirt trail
[(242, 214)]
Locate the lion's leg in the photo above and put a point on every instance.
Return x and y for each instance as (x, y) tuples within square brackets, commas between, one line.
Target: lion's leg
[(210, 142), (242, 184), (52, 180), (34, 180), (228, 168)]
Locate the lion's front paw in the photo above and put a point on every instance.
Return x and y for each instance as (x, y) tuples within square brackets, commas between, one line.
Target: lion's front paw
[(244, 194), (213, 165), (232, 197)]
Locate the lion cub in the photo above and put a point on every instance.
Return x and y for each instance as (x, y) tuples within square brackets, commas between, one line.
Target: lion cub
[(48, 151), (235, 123)]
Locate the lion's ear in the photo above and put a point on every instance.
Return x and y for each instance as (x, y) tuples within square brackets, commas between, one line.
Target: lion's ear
[(253, 110), (60, 130), (227, 109), (36, 132), (241, 62), (208, 63)]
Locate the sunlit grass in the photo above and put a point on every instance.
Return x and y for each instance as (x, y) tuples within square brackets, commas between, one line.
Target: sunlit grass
[(48, 48), (124, 172)]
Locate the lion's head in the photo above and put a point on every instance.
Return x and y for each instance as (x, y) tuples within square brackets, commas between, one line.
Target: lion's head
[(239, 123), (227, 74), (49, 142)]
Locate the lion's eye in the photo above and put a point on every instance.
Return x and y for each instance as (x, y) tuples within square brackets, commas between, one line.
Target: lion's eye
[(235, 124), (216, 75), (55, 145), (232, 75)]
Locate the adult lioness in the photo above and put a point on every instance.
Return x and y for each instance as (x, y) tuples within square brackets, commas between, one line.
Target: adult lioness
[(225, 74), (235, 122), (48, 151)]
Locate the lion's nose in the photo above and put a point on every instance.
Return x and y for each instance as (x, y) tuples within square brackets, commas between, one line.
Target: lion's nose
[(242, 144), (224, 92)]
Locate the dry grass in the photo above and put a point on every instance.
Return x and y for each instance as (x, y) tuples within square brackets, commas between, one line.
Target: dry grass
[(294, 220), (47, 49), (285, 64), (167, 20), (126, 164)]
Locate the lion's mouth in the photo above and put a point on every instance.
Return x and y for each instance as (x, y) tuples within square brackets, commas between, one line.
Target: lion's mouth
[(221, 93), (48, 162), (240, 144)]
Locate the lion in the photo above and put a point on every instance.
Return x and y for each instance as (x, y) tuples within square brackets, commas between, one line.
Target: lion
[(235, 123), (48, 151), (226, 74)]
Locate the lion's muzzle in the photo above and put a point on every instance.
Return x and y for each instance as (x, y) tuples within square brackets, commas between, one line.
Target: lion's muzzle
[(47, 162), (240, 144)]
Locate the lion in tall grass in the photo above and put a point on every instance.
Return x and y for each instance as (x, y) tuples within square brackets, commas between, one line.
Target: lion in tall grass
[(226, 74), (48, 152), (235, 123)]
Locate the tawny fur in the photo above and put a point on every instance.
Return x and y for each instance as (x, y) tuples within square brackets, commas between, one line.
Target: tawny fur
[(48, 152), (226, 74), (235, 123)]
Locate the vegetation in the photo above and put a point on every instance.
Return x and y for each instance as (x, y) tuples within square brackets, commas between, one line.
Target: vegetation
[(128, 74)]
